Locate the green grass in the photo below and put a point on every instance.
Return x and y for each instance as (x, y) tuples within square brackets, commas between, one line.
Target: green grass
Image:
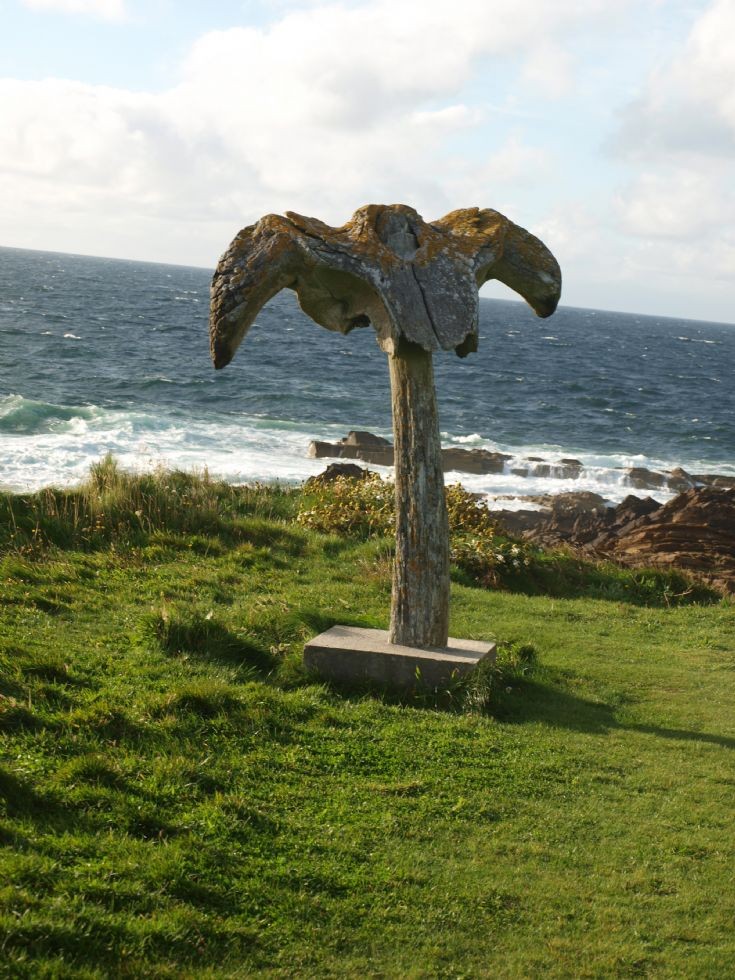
[(179, 799)]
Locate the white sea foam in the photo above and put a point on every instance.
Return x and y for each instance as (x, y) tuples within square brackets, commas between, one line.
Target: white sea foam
[(39, 449), (474, 439), (43, 445)]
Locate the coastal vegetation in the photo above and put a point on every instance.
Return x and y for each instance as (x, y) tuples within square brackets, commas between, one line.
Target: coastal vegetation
[(178, 797)]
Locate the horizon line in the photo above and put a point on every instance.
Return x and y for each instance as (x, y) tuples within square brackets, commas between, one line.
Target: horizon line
[(510, 299)]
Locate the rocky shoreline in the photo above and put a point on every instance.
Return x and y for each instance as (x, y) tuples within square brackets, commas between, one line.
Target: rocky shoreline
[(694, 531), (369, 448)]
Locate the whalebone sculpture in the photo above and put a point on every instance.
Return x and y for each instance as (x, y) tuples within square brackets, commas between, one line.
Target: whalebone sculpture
[(417, 284)]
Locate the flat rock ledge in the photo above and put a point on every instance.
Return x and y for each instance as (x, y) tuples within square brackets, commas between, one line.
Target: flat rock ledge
[(374, 449), (356, 655), (370, 448)]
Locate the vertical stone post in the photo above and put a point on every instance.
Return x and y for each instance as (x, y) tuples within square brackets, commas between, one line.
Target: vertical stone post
[(420, 599)]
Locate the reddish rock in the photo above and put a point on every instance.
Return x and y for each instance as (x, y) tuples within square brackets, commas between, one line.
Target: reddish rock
[(695, 531), (554, 523)]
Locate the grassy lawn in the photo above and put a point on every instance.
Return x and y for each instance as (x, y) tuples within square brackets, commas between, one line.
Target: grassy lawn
[(178, 799)]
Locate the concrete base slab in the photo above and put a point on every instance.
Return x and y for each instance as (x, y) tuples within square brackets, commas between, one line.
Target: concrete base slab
[(353, 654)]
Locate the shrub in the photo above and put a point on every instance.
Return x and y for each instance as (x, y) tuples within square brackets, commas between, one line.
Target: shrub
[(362, 508), (366, 508), (488, 559), (467, 513)]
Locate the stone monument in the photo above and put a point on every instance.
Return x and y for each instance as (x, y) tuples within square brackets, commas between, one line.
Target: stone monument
[(416, 283)]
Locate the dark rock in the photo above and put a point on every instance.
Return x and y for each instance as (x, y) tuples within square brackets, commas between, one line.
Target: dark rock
[(571, 505), (518, 522), (566, 469), (566, 518), (563, 469), (602, 535), (679, 480), (643, 479), (318, 449), (379, 455), (336, 470), (473, 460), (586, 529), (358, 438), (714, 480), (634, 507), (374, 449)]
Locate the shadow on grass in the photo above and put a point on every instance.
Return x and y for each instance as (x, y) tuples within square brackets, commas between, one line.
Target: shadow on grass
[(562, 575), (514, 691), (197, 636), (533, 701), (19, 799), (92, 937)]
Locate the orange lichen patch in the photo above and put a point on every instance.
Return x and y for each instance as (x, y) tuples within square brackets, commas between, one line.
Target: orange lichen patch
[(359, 235), (461, 232), (534, 252)]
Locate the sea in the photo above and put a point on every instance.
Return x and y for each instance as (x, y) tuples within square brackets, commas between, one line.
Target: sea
[(105, 356)]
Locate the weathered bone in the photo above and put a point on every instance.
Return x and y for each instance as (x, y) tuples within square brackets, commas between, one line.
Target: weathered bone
[(413, 281), (416, 283)]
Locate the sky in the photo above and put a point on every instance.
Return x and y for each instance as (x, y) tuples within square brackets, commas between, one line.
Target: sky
[(156, 129)]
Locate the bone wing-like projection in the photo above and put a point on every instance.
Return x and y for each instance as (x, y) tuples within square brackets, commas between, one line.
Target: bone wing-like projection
[(415, 282), (506, 252)]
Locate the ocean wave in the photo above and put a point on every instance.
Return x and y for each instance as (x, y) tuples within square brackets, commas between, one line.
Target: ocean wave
[(27, 417), (60, 442)]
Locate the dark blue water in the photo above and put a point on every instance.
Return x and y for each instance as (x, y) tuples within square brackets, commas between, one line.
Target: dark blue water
[(99, 354)]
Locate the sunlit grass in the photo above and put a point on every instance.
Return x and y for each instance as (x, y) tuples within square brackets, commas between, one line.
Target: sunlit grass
[(179, 798)]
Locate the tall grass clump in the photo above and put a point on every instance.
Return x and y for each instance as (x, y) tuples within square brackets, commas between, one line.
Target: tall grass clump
[(116, 507)]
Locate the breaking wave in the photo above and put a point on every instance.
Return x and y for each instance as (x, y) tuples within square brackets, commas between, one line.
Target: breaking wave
[(44, 444)]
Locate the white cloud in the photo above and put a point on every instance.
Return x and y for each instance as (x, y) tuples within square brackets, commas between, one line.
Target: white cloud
[(688, 106), (677, 203), (321, 111), (104, 9), (439, 105), (680, 138), (549, 71)]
